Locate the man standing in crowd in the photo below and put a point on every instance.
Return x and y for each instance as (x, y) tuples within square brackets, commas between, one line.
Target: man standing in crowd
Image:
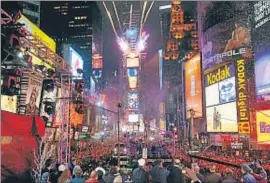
[(158, 173), (176, 175), (246, 176), (139, 174), (213, 176), (259, 173)]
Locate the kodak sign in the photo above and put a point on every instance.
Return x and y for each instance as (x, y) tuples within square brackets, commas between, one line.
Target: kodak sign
[(220, 74), (243, 128), (242, 93)]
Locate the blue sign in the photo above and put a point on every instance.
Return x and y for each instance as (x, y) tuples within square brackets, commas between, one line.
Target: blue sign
[(131, 33), (132, 72)]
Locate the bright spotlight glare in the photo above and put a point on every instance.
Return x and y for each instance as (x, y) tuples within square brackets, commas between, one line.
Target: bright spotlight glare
[(20, 54), (141, 45), (99, 104)]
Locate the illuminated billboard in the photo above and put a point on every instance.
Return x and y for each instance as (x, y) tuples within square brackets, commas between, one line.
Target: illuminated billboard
[(9, 103), (261, 42), (133, 100), (263, 127), (97, 61), (193, 85), (220, 93), (132, 72), (132, 82), (39, 34), (226, 41), (133, 118), (132, 61), (97, 73), (76, 62), (222, 118), (75, 118)]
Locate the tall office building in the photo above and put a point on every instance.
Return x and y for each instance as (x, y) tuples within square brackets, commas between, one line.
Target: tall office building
[(31, 9)]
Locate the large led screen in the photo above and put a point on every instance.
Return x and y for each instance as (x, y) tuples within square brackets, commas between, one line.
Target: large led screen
[(212, 95), (227, 90), (48, 96), (263, 126), (133, 118), (261, 41), (132, 72), (76, 62), (132, 82), (132, 62), (222, 118), (133, 100), (97, 63), (193, 85)]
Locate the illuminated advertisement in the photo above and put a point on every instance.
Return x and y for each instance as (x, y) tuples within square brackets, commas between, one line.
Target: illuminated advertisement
[(75, 118), (97, 62), (263, 126), (261, 41), (76, 62), (133, 118), (9, 103), (33, 95), (222, 118), (132, 72), (193, 85), (39, 34), (48, 97), (242, 92), (131, 33), (132, 82), (226, 41), (132, 61), (220, 99), (133, 100)]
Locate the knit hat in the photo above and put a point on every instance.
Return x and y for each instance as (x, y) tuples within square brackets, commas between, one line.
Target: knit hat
[(141, 162)]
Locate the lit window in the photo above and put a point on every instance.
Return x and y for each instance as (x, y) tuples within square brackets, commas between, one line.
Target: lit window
[(57, 7), (64, 13)]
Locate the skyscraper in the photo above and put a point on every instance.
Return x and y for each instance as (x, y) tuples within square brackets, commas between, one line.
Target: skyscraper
[(31, 9)]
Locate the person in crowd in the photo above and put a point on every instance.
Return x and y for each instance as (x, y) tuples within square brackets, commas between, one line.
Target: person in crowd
[(100, 176), (93, 178), (109, 177), (139, 175), (118, 177), (246, 176), (229, 176), (72, 165), (213, 176), (55, 172), (158, 173), (45, 177), (77, 172), (259, 173), (65, 176), (198, 173), (175, 175)]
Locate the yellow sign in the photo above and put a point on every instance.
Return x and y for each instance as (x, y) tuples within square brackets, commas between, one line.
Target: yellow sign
[(221, 74), (263, 127), (243, 128), (37, 61), (39, 34), (9, 103)]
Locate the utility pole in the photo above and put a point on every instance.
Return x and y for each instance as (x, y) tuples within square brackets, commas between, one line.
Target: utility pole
[(191, 128), (118, 135)]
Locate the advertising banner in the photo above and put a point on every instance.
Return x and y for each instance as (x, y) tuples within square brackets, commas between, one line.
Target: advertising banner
[(132, 72), (226, 41), (261, 41), (132, 82), (48, 97), (242, 93), (76, 62), (220, 74), (33, 95), (97, 73), (193, 85), (133, 118), (222, 118), (263, 126), (132, 62), (97, 62), (75, 118), (39, 34), (133, 100), (243, 127), (9, 103)]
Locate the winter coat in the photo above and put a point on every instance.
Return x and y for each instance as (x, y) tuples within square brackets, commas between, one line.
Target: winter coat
[(175, 175), (213, 178), (229, 179), (260, 175), (248, 178), (159, 175), (139, 175), (77, 180)]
